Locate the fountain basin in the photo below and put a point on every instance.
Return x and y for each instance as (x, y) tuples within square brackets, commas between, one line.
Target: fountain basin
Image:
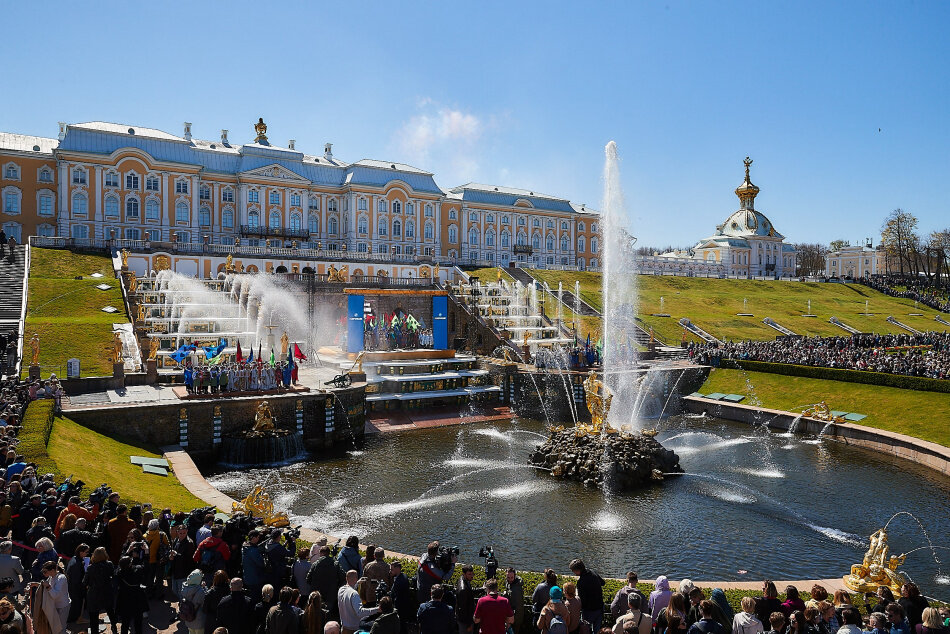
[(251, 447)]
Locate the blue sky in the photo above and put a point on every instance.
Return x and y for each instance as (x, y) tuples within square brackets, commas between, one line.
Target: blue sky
[(843, 105)]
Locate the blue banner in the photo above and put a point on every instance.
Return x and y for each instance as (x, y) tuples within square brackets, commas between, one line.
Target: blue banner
[(354, 318), (440, 324)]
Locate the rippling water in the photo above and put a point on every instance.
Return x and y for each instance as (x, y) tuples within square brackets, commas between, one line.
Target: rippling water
[(771, 505)]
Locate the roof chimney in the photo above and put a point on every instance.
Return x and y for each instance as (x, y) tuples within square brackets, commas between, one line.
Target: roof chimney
[(328, 151), (187, 134), (62, 130), (290, 144), (224, 136)]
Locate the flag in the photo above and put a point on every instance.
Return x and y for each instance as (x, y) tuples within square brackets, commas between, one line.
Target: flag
[(259, 355), (289, 367), (298, 354), (588, 340), (213, 351), (182, 353), (250, 357), (272, 360), (218, 359), (240, 357)]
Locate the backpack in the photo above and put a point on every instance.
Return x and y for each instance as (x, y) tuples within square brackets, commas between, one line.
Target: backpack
[(207, 560), (187, 611), (557, 625)]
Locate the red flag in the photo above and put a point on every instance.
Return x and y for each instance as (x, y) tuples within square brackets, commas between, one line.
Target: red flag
[(300, 356), (240, 356)]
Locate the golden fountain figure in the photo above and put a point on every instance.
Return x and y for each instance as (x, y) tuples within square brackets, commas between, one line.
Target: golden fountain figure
[(153, 349), (878, 568), (116, 347), (599, 398), (284, 344), (133, 282), (35, 347), (260, 128), (259, 504), (263, 419), (229, 264), (821, 411), (125, 258)]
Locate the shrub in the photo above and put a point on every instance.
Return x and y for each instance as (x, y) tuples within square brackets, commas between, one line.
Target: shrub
[(34, 437), (918, 383)]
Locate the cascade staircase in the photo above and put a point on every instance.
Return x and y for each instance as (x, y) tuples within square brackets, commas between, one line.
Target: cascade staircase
[(914, 331), (840, 324), (12, 274), (771, 323)]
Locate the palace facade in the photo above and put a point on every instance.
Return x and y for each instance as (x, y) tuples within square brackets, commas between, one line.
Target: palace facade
[(101, 180)]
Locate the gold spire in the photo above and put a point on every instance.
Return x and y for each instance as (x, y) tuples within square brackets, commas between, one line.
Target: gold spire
[(261, 129), (747, 162), (747, 191)]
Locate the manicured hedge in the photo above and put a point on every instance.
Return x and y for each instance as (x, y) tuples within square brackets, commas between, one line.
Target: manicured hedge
[(920, 384), (34, 436)]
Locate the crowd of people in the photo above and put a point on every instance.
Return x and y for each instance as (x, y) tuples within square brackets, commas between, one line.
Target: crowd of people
[(243, 376), (395, 332), (935, 294), (924, 355)]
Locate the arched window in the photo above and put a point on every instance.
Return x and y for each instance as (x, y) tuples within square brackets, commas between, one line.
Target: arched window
[(111, 207), (204, 193), (564, 225), (593, 248), (550, 223), (453, 234), (132, 209), (314, 204), (295, 221), (332, 225), (536, 223), (593, 263), (275, 220), (227, 219), (473, 217), (382, 226), (12, 172), (536, 241), (362, 225), (564, 243), (314, 223), (473, 237), (490, 239), (181, 212), (505, 239), (429, 231), (549, 243), (331, 205), (410, 209), (397, 207), (580, 226), (452, 214), (361, 204), (227, 195), (46, 175), (522, 238), (151, 210), (429, 212), (593, 227), (132, 181), (580, 244), (397, 226), (44, 205), (253, 220), (410, 229), (381, 205), (204, 216)]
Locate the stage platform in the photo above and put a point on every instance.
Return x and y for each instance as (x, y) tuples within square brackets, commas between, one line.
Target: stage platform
[(400, 420), (182, 393)]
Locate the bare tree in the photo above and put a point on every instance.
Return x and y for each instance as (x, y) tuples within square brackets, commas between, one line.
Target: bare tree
[(899, 238), (837, 245), (811, 258)]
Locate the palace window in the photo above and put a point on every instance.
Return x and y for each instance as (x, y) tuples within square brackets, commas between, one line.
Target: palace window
[(453, 234), (580, 226), (46, 230), (593, 227), (397, 207), (79, 176), (111, 207), (522, 239), (381, 205), (536, 242), (452, 214), (564, 243), (473, 217), (295, 200), (504, 220), (227, 195), (580, 244), (204, 193), (112, 179), (473, 237), (361, 204), (410, 229), (361, 247), (505, 239), (11, 201), (295, 221), (332, 226), (181, 186), (429, 213), (314, 222), (133, 234), (151, 183), (549, 243), (151, 210), (132, 181), (182, 236), (313, 203), (46, 175), (204, 217), (397, 228), (428, 231), (490, 239), (521, 222), (11, 172), (132, 209), (382, 226), (274, 220), (564, 226), (227, 219), (45, 206), (550, 223), (181, 212), (253, 196), (80, 204), (253, 220), (273, 198), (362, 225), (410, 209), (593, 247), (332, 205), (80, 232), (153, 235)]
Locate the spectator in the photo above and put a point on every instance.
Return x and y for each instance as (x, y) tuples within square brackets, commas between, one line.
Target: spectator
[(493, 613), (349, 557), (252, 559), (377, 570), (465, 601), (388, 620), (131, 601), (326, 577), (181, 557), (573, 607), (350, 607), (315, 615), (435, 616), (768, 603), (642, 623), (777, 623), (793, 602), (100, 589), (57, 592), (282, 619), (75, 571), (402, 596), (554, 617), (191, 604), (514, 592), (158, 548), (220, 588), (212, 554), (590, 592), (619, 605), (118, 530), (430, 573), (660, 597), (236, 611), (10, 566), (746, 622), (913, 604), (268, 600), (706, 624), (542, 593), (299, 572)]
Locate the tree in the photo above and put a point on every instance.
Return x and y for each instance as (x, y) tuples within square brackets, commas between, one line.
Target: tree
[(811, 258), (900, 240), (837, 245)]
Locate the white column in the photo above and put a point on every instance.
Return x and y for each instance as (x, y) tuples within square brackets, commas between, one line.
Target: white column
[(166, 225), (463, 233), (242, 206), (194, 208), (437, 233), (215, 208), (97, 201)]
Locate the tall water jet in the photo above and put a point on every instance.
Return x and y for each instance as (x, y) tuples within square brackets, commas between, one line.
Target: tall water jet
[(620, 297)]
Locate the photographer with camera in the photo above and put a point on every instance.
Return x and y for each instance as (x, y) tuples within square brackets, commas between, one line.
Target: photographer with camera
[(277, 560), (436, 566), (465, 601), (255, 568)]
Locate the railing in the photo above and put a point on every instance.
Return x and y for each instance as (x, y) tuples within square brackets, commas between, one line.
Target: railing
[(526, 249), (391, 282), (276, 232)]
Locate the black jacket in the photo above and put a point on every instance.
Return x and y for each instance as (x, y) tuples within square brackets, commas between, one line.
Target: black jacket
[(100, 591), (326, 577), (590, 591), (436, 617), (465, 603), (236, 612)]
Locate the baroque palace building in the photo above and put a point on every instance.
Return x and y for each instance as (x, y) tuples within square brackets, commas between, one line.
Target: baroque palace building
[(100, 181)]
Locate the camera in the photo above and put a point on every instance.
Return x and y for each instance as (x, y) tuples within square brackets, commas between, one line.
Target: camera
[(491, 562), (292, 534), (100, 494), (444, 558), (382, 589), (335, 549)]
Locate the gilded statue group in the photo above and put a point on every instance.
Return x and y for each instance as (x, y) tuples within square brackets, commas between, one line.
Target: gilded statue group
[(878, 568)]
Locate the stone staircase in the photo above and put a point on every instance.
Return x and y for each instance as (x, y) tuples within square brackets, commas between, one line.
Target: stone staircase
[(12, 273)]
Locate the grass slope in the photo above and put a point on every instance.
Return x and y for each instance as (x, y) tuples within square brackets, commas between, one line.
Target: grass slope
[(66, 312), (713, 304), (95, 458), (918, 414)]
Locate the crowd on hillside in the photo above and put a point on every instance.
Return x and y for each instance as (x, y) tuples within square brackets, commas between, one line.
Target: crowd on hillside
[(69, 555), (935, 294), (924, 355)]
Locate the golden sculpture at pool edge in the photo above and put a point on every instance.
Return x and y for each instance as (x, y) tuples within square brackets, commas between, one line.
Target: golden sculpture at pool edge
[(599, 398), (259, 504), (263, 419), (878, 568)]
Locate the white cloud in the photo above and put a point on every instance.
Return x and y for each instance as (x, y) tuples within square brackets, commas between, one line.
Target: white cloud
[(439, 131)]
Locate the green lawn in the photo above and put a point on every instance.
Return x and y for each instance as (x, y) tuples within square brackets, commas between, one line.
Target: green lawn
[(67, 314), (95, 458), (713, 304), (919, 414)]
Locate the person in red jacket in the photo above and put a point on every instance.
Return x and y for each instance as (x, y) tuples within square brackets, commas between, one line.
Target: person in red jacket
[(212, 553), (77, 510)]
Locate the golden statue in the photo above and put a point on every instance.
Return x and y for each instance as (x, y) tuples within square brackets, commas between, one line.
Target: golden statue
[(141, 314), (35, 346), (524, 339), (284, 344), (424, 273), (153, 349), (878, 568), (498, 271), (162, 262), (259, 504), (338, 275), (133, 283), (229, 264), (261, 129), (263, 419), (358, 364), (116, 347), (822, 412), (506, 355), (599, 398), (435, 271), (125, 259)]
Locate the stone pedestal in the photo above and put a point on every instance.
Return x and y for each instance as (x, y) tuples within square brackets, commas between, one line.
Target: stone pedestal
[(151, 370), (34, 372), (118, 371), (357, 377)]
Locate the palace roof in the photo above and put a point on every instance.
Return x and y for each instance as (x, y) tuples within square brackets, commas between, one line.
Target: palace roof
[(26, 143), (499, 195)]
